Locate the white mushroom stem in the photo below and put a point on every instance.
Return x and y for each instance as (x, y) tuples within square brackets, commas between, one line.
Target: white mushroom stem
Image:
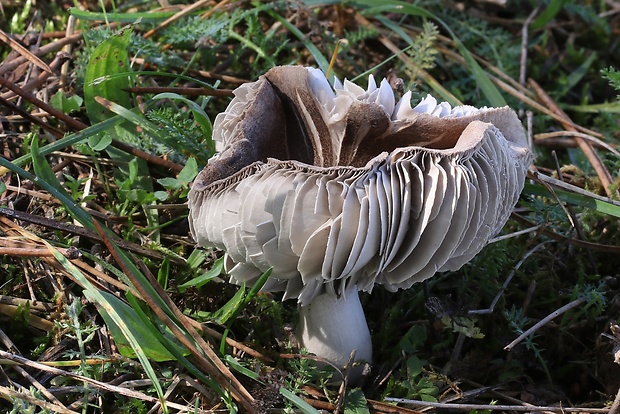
[(332, 327)]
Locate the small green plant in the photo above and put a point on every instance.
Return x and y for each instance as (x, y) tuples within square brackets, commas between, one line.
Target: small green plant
[(414, 381), (423, 51), (517, 322), (613, 76), (22, 406), (82, 332)]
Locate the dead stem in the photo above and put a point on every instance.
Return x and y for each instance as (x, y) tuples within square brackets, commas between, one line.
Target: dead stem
[(585, 146)]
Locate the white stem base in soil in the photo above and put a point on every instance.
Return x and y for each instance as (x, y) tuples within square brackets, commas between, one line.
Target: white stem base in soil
[(332, 328)]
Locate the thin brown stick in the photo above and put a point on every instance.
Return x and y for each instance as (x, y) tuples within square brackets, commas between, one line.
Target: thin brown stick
[(61, 57), (605, 248), (71, 122), (26, 115), (55, 408), (153, 159), (25, 251), (572, 134), (524, 41), (78, 126), (39, 386), (209, 361), (382, 407), (33, 320), (507, 281), (8, 67), (33, 305), (98, 384), (16, 46), (520, 408), (81, 231), (615, 407), (590, 153), (229, 341)]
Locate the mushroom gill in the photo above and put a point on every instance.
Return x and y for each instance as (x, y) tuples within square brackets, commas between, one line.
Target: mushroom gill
[(341, 189)]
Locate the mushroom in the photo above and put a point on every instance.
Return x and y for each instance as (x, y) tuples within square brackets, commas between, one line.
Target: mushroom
[(340, 189)]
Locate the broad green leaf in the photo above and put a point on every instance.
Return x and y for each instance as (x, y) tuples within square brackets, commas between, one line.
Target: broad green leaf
[(355, 402), (197, 257), (170, 183), (216, 270), (152, 348), (66, 104), (189, 171), (414, 366), (108, 59), (99, 142)]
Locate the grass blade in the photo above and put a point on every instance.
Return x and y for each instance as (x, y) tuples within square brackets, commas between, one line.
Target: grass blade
[(299, 403), (490, 91)]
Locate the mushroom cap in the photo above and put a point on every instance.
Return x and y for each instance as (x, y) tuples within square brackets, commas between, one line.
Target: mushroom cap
[(341, 188)]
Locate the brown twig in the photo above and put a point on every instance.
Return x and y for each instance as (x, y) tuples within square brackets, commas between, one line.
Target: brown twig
[(524, 42), (16, 46), (33, 305), (382, 407), (8, 67), (55, 408), (567, 139), (207, 358), (81, 231), (498, 407), (153, 159), (26, 115), (98, 384), (59, 59), (71, 122), (44, 391), (605, 248), (584, 145), (507, 281), (78, 126)]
